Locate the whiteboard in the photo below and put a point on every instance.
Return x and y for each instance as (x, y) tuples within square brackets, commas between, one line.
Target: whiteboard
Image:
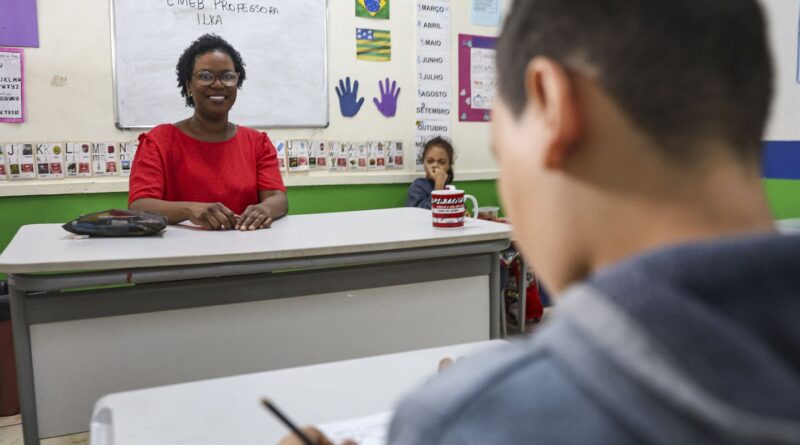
[(282, 43)]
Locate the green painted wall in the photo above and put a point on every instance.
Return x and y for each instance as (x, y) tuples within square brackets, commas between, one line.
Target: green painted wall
[(784, 197), (15, 212)]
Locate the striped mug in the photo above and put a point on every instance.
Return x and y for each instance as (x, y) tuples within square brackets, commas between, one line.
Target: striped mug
[(448, 209)]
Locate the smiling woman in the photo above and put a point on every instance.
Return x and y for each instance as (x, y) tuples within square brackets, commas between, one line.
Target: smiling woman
[(206, 169)]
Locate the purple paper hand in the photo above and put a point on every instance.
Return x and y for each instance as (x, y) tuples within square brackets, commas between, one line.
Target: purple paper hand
[(388, 103)]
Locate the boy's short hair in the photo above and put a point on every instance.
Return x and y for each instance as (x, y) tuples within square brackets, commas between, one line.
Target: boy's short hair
[(682, 70)]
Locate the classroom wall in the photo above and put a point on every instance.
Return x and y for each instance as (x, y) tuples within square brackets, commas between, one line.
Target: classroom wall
[(69, 90), (783, 183), (69, 97)]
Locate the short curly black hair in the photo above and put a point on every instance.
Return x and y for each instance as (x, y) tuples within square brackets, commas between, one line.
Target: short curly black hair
[(204, 45)]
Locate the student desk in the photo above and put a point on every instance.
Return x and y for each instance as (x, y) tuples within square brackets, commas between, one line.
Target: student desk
[(227, 410), (102, 315), (788, 226)]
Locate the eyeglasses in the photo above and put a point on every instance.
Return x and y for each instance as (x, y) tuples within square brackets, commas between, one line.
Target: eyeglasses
[(207, 78)]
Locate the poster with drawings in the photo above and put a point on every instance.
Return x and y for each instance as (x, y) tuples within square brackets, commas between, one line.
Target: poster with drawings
[(20, 161), (476, 77), (280, 150), (361, 154), (340, 156), (297, 151), (427, 130), (352, 156), (78, 159), (320, 154), (332, 147), (376, 159), (50, 160), (3, 175), (394, 155), (12, 78), (482, 78), (127, 151), (312, 155), (104, 158)]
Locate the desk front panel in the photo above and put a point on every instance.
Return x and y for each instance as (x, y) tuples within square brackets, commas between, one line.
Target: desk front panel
[(76, 362)]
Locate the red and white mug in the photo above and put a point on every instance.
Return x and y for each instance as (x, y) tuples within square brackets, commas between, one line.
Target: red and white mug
[(449, 209)]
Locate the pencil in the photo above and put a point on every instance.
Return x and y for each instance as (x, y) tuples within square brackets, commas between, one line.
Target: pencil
[(279, 414)]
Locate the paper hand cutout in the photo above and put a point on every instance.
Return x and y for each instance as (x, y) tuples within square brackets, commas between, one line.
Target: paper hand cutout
[(349, 103), (388, 103)]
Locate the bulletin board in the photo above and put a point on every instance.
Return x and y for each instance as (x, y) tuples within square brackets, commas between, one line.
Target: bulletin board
[(476, 77)]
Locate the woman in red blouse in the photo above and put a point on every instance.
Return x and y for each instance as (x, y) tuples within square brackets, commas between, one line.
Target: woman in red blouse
[(206, 169)]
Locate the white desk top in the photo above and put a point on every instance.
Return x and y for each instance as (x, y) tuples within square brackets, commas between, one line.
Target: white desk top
[(49, 248), (227, 410), (788, 226)]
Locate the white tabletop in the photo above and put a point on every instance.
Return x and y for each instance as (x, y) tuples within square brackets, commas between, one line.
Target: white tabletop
[(788, 226), (227, 410), (49, 248)]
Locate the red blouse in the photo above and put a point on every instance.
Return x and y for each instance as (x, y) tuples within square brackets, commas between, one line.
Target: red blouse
[(172, 166)]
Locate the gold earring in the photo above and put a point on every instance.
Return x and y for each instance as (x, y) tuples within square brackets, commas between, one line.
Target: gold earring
[(190, 94)]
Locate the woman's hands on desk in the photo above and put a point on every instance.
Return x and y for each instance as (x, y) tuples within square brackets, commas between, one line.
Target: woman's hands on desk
[(273, 205), (208, 215), (213, 216), (256, 216), (313, 434)]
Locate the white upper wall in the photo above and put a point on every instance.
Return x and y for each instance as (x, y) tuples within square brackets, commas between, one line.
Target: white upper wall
[(69, 86), (69, 92), (782, 18)]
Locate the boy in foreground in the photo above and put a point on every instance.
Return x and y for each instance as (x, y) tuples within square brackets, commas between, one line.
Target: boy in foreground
[(628, 135)]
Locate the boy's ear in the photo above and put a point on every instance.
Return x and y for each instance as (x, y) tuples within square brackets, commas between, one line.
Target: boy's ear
[(551, 91)]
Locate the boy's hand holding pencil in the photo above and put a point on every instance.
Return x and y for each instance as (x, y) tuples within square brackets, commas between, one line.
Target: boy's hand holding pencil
[(304, 436)]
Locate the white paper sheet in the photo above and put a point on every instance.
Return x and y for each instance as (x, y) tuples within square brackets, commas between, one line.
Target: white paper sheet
[(369, 430), (482, 78), (11, 86), (434, 46), (485, 12), (427, 130)]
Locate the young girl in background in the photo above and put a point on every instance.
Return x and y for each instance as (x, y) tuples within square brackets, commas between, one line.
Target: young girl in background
[(437, 156)]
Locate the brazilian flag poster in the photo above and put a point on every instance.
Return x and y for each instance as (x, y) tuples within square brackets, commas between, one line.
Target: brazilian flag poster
[(372, 9)]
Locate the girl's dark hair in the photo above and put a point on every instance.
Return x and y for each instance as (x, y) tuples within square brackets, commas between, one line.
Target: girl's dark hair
[(442, 143), (203, 45)]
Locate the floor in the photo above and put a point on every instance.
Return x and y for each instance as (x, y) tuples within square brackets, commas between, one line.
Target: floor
[(11, 434)]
